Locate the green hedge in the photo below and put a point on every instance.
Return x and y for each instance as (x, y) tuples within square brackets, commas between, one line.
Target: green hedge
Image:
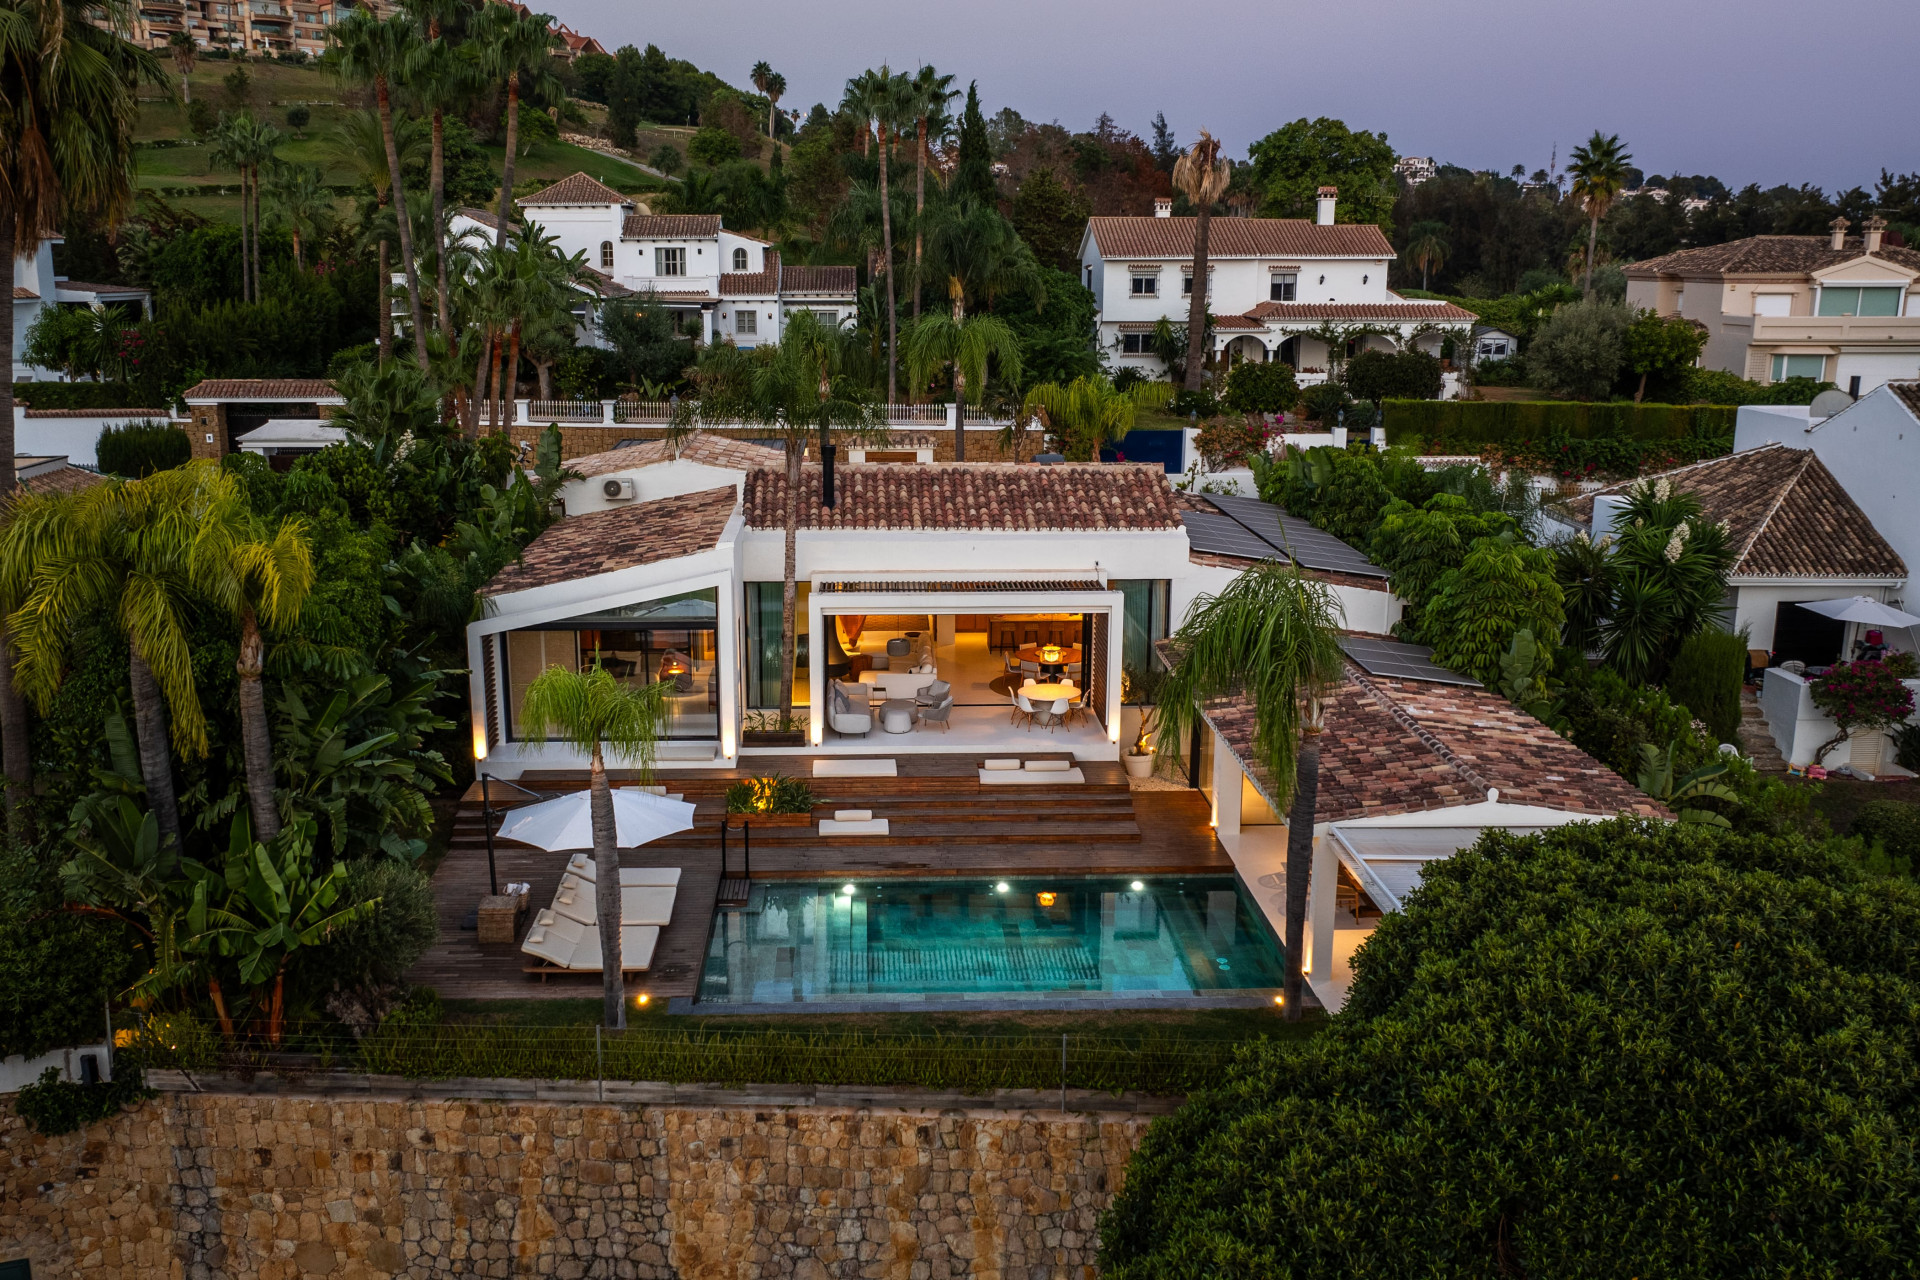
[(81, 395), (1465, 426)]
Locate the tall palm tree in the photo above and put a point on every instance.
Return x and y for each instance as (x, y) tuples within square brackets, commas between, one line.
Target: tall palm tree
[(297, 195), (798, 389), (980, 254), (376, 52), (519, 50), (929, 93), (1272, 638), (257, 573), (1599, 173), (141, 549), (880, 99), (965, 344), (593, 712), (184, 52), (775, 89), (1202, 176), (762, 77), (441, 79), (1427, 248)]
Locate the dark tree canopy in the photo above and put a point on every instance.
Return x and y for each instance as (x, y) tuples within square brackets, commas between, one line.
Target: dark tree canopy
[(1618, 1049)]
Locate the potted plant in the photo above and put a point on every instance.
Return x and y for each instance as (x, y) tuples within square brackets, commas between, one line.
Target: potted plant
[(774, 729), (772, 801), (1142, 688)]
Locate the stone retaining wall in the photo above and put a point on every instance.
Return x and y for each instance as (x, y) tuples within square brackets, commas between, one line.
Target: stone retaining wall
[(204, 1185)]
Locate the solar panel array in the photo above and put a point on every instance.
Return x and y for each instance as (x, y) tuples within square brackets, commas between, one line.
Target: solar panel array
[(1393, 660), (1295, 539), (1225, 536)]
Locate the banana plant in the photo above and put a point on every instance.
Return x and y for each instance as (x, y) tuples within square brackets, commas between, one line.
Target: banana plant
[(267, 904), (1657, 780)]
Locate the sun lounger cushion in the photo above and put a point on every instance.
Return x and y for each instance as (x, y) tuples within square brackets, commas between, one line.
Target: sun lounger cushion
[(638, 904), (554, 939), (636, 949), (852, 815), (870, 827), (1021, 777), (1001, 766), (581, 865), (1049, 766)]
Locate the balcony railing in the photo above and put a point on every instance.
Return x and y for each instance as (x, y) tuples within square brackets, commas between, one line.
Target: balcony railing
[(1835, 329), (567, 410), (661, 412)]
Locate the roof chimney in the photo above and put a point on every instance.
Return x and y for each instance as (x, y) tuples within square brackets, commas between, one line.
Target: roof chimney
[(1163, 206), (1875, 227), (1327, 197), (1839, 227)]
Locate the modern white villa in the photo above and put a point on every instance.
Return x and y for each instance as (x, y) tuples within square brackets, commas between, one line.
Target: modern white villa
[(1279, 288), (735, 284)]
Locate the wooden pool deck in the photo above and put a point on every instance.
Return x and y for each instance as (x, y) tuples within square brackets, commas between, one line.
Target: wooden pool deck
[(943, 823)]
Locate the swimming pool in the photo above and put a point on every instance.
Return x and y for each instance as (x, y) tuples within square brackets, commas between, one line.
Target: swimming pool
[(805, 941)]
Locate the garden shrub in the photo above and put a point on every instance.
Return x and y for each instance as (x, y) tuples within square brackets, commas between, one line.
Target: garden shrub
[(1351, 501), (775, 793), (1869, 694), (142, 448), (1324, 402), (1261, 388), (1501, 586), (1188, 404), (1620, 1048), (1468, 426), (1409, 375), (1418, 545), (1895, 827), (79, 395), (1611, 719), (1705, 678), (1226, 442), (713, 146), (54, 1106), (1580, 349), (378, 948)]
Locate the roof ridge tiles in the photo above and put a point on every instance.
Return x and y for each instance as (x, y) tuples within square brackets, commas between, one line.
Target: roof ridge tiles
[(1408, 721)]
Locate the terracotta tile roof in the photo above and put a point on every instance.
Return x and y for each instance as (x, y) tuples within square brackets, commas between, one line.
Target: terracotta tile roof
[(1787, 516), (1237, 238), (158, 414), (838, 281), (487, 217), (261, 389), (576, 189), (1403, 310), (701, 446), (606, 541), (81, 286), (1908, 394), (61, 480), (605, 285), (670, 226), (1102, 496), (1238, 322), (1406, 746), (23, 294), (1766, 255)]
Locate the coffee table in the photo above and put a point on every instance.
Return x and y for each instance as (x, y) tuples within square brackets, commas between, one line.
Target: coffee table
[(896, 715)]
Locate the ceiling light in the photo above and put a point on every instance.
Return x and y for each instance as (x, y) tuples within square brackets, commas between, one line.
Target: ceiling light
[(846, 890), (1137, 886), (1002, 887)]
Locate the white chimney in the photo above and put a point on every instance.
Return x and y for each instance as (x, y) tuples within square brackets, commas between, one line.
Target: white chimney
[(1874, 227), (1327, 198), (1839, 227), (1163, 206)]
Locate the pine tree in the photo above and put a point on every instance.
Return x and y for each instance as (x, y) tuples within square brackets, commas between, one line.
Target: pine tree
[(974, 176)]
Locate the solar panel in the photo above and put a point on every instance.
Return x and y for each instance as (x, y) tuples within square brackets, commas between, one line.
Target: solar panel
[(1225, 537), (1393, 660), (1309, 547)]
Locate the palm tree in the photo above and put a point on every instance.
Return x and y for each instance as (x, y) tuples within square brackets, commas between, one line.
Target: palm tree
[(1202, 176), (798, 388), (67, 115), (981, 255), (591, 711), (298, 196), (376, 52), (441, 80), (878, 97), (1272, 638), (141, 549), (929, 93), (254, 573), (762, 77), (1427, 248), (517, 49), (775, 89), (1090, 412), (1599, 173), (184, 52), (966, 344)]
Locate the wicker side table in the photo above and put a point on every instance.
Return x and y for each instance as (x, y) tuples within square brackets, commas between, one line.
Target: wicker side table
[(499, 916)]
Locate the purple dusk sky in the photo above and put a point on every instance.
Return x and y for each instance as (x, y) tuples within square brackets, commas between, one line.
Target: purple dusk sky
[(1761, 91)]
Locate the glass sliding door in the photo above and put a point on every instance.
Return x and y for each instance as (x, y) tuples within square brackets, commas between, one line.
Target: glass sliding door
[(674, 639)]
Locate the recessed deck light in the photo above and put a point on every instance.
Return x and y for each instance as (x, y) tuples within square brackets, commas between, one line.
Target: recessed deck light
[(1137, 885), (846, 890), (1002, 887)]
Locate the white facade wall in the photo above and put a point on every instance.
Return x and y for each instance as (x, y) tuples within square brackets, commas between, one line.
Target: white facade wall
[(658, 480), (74, 435), (1372, 611), (34, 273), (1756, 605)]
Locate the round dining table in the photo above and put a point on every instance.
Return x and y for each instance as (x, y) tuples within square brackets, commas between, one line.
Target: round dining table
[(1031, 653), (1041, 697)]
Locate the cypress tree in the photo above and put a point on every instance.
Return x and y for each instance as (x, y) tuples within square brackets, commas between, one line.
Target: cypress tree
[(974, 175)]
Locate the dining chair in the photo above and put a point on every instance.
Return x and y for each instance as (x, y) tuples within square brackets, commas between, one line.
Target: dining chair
[(1025, 709), (1057, 713), (1013, 663), (1029, 668)]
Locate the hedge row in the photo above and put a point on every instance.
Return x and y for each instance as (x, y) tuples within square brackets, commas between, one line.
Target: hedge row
[(1467, 426), (81, 395)]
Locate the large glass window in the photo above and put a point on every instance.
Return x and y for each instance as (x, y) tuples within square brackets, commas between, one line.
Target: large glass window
[(1283, 285), (669, 262), (1145, 621), (1785, 367), (763, 643), (1874, 301), (672, 639)]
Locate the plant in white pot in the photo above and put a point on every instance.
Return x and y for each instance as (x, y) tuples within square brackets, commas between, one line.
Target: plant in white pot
[(1142, 688)]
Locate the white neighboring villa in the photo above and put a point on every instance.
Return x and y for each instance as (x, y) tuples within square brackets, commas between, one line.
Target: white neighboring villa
[(36, 287), (1275, 281), (735, 283)]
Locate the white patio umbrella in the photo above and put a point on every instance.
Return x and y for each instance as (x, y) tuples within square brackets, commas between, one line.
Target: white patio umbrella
[(1863, 610), (567, 822)]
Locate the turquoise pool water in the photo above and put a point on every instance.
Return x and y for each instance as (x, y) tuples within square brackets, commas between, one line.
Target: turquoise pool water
[(802, 941)]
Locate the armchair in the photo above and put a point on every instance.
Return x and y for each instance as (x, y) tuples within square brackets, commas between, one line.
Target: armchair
[(846, 715)]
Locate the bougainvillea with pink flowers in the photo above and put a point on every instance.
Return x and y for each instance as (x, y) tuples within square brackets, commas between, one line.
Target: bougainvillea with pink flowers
[(1861, 695)]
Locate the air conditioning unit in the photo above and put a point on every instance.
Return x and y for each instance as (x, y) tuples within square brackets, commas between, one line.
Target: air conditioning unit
[(617, 490)]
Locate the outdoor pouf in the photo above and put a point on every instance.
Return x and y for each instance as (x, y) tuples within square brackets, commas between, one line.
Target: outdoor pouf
[(896, 715)]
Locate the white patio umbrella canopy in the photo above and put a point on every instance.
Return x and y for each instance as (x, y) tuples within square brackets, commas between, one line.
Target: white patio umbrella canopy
[(1860, 609), (567, 822)]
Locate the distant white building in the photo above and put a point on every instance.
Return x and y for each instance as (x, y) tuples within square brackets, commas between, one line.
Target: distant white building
[(735, 283), (1415, 170), (36, 287), (1278, 287)]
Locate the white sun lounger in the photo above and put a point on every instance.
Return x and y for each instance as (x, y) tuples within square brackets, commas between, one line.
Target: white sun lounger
[(569, 946), (581, 864), (577, 900)]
